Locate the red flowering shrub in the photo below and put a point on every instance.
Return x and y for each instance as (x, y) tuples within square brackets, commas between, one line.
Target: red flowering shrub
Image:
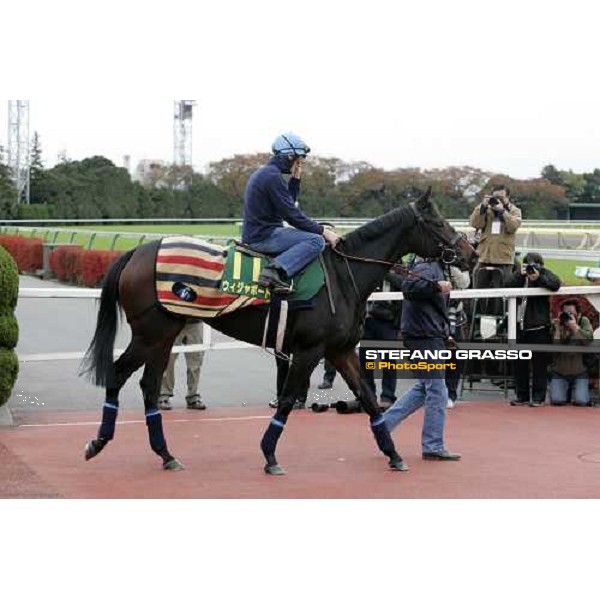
[(65, 263), (27, 252), (95, 264)]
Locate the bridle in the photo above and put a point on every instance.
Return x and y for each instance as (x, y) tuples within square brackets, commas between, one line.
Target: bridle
[(448, 249)]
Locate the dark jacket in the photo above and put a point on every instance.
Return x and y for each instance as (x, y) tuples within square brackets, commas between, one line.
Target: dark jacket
[(425, 308), (387, 310), (268, 201), (536, 309)]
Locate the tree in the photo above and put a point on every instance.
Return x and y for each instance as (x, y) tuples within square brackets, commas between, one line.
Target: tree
[(38, 177), (231, 175), (591, 189), (8, 194)]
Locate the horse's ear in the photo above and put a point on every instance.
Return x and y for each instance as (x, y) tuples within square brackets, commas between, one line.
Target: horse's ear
[(425, 199)]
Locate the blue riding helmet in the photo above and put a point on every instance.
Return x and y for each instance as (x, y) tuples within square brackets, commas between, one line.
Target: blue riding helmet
[(289, 144)]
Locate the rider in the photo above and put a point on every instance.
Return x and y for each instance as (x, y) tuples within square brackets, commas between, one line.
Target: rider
[(268, 201)]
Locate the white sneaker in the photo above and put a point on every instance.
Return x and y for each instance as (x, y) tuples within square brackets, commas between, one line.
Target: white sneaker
[(451, 403)]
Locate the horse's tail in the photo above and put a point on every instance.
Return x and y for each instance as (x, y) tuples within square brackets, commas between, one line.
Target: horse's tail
[(98, 363)]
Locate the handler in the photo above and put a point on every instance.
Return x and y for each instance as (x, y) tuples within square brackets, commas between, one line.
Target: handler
[(425, 326)]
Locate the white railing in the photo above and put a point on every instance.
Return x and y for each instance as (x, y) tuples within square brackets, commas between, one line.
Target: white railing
[(592, 292)]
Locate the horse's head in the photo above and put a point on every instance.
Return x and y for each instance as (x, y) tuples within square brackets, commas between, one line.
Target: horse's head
[(438, 239)]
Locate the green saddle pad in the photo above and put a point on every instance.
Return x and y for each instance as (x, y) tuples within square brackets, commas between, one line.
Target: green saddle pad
[(242, 271)]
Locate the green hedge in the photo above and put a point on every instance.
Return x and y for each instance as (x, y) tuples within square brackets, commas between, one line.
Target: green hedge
[(9, 282), (9, 329)]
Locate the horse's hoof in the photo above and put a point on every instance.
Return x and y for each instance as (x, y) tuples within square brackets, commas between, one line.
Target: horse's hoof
[(90, 450), (398, 465), (274, 470), (173, 465)]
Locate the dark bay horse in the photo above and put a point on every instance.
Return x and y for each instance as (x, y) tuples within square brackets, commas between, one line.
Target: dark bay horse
[(311, 335)]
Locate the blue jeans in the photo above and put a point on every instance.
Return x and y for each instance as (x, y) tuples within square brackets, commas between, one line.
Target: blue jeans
[(294, 248), (430, 392), (559, 389)]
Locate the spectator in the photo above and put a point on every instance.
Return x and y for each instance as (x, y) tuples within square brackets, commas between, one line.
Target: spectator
[(569, 370), (533, 327), (497, 220), (424, 326), (457, 319), (191, 334), (329, 374)]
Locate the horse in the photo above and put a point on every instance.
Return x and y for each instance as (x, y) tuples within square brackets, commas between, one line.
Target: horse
[(355, 268)]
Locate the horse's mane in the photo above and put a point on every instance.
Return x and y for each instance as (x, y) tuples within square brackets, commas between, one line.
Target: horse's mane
[(376, 228)]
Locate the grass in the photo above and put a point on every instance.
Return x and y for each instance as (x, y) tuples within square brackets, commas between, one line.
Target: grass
[(565, 269)]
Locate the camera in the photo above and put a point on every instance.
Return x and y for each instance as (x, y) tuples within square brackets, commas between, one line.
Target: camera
[(564, 317), (493, 201), (531, 268)]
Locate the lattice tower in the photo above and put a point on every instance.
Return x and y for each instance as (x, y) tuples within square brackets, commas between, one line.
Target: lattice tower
[(18, 146)]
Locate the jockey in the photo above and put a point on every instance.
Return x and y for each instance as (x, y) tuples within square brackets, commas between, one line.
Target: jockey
[(268, 201)]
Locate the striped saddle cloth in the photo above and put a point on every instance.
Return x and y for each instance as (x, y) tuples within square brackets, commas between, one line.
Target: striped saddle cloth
[(202, 280), (188, 279)]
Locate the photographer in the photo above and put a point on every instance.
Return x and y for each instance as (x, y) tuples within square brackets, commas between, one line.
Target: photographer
[(569, 370), (457, 318), (533, 327), (498, 219)]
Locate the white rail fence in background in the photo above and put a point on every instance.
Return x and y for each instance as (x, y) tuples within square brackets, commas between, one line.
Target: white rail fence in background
[(591, 292), (545, 235)]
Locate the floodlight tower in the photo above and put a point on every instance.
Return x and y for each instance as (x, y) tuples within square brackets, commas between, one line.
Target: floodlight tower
[(182, 133), (18, 146)]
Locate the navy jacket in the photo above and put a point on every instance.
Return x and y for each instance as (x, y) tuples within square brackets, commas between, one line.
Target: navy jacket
[(425, 308), (268, 202)]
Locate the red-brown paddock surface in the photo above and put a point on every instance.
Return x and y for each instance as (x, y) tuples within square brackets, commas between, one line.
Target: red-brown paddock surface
[(508, 452)]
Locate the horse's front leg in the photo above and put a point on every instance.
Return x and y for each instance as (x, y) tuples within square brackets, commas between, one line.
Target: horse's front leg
[(296, 383), (348, 366)]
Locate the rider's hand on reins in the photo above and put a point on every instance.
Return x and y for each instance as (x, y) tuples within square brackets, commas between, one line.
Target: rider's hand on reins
[(331, 237)]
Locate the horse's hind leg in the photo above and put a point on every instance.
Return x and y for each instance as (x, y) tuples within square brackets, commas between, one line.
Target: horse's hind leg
[(150, 384), (349, 367), (296, 384), (129, 362)]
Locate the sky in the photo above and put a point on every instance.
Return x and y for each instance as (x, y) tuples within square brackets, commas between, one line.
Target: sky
[(503, 86)]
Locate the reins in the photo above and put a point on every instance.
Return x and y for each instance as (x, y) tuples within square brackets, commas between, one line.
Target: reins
[(448, 254)]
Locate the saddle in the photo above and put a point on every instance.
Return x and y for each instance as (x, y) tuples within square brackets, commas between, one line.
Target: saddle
[(201, 280)]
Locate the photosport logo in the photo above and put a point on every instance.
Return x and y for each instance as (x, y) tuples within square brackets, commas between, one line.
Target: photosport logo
[(430, 363)]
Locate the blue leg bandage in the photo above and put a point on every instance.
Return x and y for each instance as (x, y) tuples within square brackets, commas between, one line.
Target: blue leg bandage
[(155, 431), (109, 418), (272, 435), (382, 435)]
